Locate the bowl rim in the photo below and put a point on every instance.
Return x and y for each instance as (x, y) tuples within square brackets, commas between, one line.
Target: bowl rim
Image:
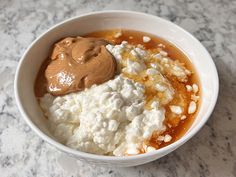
[(171, 147)]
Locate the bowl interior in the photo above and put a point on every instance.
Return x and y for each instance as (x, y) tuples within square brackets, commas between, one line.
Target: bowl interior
[(39, 50)]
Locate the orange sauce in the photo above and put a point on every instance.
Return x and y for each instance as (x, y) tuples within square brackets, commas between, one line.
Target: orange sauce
[(175, 126)]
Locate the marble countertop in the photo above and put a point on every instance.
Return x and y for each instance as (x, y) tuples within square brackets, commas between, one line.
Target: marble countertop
[(212, 152)]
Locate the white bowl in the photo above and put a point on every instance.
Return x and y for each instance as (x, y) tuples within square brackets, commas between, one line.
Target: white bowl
[(39, 49)]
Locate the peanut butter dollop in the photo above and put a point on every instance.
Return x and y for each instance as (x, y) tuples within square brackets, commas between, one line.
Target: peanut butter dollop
[(78, 63)]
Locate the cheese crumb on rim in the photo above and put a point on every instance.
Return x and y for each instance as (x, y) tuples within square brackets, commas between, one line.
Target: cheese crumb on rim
[(118, 34), (192, 107), (195, 88), (195, 98), (167, 138), (183, 117), (146, 39), (160, 138), (150, 149), (189, 88), (176, 109), (163, 53)]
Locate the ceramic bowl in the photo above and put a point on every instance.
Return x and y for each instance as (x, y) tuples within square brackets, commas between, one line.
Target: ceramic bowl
[(37, 52)]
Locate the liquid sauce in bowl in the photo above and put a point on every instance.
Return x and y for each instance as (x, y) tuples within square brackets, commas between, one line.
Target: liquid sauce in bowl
[(176, 127)]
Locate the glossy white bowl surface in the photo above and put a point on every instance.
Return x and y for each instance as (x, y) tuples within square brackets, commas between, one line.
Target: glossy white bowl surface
[(39, 50)]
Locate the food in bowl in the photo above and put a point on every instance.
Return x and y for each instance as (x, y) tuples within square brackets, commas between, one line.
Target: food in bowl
[(117, 92)]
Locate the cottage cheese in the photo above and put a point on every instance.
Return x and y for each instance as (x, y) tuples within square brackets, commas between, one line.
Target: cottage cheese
[(133, 59), (109, 118)]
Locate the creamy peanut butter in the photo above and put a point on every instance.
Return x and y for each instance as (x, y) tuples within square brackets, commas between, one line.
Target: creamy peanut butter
[(78, 63)]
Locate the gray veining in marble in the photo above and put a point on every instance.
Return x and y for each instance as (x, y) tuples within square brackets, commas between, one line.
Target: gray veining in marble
[(212, 152)]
